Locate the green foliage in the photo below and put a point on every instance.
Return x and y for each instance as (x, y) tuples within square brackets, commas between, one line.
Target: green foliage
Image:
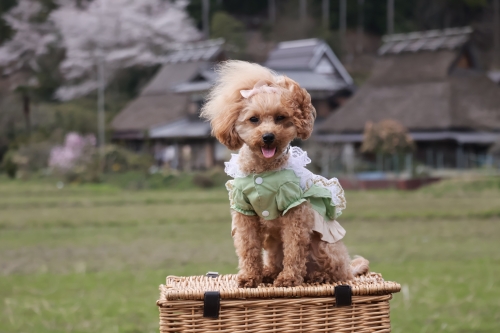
[(48, 75), (166, 179), (8, 164), (129, 81), (195, 10), (5, 30), (227, 27)]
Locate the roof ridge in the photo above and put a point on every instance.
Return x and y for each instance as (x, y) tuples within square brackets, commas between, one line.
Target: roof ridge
[(430, 40), (427, 34)]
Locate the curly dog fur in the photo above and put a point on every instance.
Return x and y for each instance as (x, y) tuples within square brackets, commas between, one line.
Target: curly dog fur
[(293, 252)]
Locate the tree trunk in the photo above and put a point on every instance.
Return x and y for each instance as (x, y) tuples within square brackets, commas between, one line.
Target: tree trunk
[(272, 11), (342, 26), (206, 18), (326, 14), (27, 111), (361, 18), (303, 11), (390, 17), (496, 33)]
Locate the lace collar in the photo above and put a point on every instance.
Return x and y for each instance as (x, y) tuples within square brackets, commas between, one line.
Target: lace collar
[(297, 162)]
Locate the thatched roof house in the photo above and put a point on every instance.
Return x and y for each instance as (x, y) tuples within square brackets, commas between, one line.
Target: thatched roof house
[(168, 118), (432, 83), (313, 64), (159, 103)]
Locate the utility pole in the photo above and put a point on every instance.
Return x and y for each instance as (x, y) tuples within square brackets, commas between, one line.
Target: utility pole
[(326, 14), (390, 17), (100, 102), (496, 33), (303, 11), (360, 32), (206, 18), (271, 11), (342, 26), (101, 92)]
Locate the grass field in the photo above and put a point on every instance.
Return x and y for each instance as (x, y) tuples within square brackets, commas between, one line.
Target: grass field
[(90, 258)]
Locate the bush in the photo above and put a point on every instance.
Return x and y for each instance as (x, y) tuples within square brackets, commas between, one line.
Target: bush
[(203, 181), (8, 164), (119, 159)]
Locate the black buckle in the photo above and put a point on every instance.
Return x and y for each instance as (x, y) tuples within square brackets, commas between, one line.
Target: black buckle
[(343, 295), (211, 304)]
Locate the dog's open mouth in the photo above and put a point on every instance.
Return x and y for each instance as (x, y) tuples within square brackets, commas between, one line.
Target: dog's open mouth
[(268, 152)]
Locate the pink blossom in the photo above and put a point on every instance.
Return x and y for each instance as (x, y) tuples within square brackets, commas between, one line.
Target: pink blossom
[(66, 157)]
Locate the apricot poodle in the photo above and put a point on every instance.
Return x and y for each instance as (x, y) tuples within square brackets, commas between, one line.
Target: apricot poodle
[(276, 203)]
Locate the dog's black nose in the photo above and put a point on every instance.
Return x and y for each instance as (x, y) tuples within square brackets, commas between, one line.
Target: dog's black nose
[(268, 138)]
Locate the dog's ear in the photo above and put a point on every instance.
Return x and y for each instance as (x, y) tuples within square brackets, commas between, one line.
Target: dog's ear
[(304, 111), (223, 128)]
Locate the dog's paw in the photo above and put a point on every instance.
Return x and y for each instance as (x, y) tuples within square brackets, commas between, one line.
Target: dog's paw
[(288, 280), (269, 275), (248, 281)]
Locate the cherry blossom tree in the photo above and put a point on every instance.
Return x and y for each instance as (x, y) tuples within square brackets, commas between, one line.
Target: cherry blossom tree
[(76, 149), (20, 55), (116, 34)]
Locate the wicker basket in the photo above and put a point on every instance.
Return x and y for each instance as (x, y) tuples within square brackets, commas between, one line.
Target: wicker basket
[(189, 304)]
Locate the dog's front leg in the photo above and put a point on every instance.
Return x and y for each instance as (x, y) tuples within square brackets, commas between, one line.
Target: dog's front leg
[(296, 228), (248, 244)]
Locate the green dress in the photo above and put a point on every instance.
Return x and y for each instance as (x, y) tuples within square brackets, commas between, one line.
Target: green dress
[(272, 194)]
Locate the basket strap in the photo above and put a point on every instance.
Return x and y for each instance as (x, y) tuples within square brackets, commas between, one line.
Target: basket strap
[(211, 304), (343, 295)]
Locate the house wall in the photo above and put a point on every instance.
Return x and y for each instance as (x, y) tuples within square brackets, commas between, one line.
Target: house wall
[(185, 155), (336, 159), (452, 155)]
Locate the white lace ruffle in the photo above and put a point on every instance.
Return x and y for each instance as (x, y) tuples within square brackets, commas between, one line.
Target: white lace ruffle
[(297, 163), (232, 167)]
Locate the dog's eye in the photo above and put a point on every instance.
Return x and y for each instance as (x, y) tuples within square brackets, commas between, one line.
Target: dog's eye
[(254, 120), (280, 118)]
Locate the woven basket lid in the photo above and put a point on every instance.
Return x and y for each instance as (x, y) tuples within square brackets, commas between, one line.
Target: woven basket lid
[(194, 288)]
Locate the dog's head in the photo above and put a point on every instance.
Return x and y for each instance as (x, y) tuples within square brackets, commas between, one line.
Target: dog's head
[(252, 105)]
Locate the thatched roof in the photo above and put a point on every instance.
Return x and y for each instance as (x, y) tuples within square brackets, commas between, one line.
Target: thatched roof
[(425, 91), (308, 56), (159, 104), (432, 40)]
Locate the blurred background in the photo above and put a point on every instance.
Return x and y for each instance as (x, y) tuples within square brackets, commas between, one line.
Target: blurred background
[(109, 181)]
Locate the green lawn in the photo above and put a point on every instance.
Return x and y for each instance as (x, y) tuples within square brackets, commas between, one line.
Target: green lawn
[(90, 258)]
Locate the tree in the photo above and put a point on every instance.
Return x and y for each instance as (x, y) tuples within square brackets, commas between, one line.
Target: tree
[(386, 137), (5, 29), (20, 56), (117, 34), (227, 27)]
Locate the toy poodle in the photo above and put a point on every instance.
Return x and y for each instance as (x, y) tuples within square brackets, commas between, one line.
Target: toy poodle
[(276, 203)]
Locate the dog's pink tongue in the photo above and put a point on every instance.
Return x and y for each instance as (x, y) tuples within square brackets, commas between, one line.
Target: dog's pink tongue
[(268, 152)]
